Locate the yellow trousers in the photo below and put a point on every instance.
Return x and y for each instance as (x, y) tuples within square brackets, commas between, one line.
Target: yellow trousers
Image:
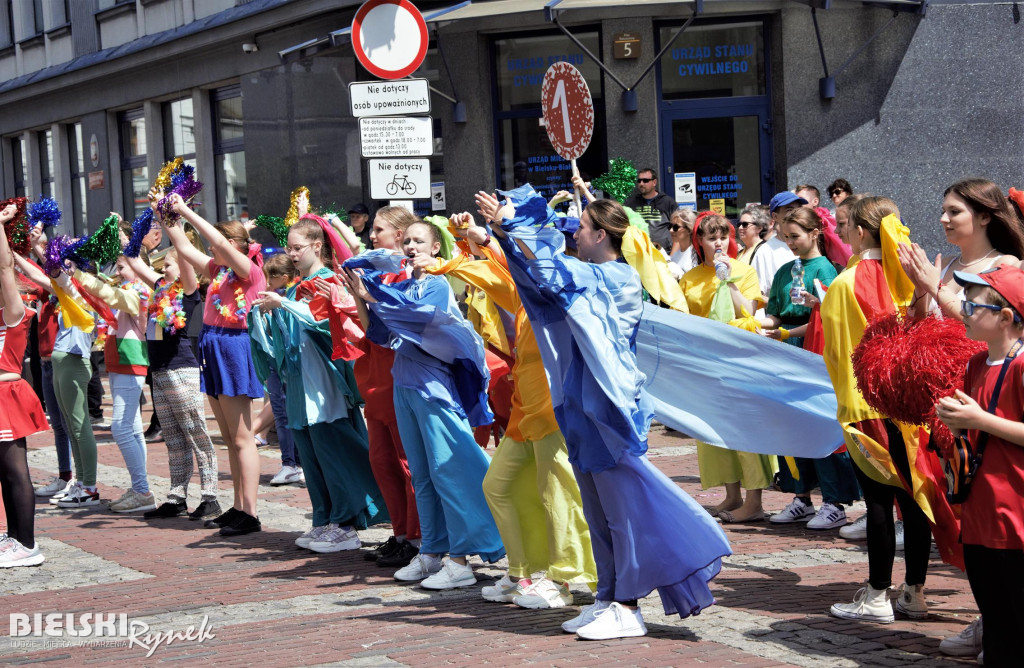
[(535, 501), (719, 466)]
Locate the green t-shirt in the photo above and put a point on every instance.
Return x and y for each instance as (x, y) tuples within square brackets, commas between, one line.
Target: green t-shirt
[(779, 305)]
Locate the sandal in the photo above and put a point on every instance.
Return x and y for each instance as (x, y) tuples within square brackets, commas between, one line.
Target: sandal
[(727, 518)]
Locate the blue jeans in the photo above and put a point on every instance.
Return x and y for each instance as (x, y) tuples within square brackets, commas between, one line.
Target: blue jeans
[(275, 388), (60, 433), (126, 426)]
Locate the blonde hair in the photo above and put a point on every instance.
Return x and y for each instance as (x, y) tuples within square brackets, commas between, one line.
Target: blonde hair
[(869, 212), (397, 217), (234, 230)]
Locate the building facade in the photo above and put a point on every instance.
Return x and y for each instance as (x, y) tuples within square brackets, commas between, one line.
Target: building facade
[(749, 96)]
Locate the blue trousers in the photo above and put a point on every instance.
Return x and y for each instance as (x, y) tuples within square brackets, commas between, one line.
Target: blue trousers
[(275, 389), (447, 469), (834, 474)]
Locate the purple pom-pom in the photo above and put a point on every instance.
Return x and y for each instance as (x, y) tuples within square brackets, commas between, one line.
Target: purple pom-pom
[(55, 253), (45, 211)]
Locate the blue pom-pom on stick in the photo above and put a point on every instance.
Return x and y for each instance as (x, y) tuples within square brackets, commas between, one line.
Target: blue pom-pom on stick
[(45, 212), (140, 228)]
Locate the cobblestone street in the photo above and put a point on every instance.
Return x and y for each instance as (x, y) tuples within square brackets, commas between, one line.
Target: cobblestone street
[(270, 603)]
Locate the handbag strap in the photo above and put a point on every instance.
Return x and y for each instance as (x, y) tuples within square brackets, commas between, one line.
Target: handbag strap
[(994, 401)]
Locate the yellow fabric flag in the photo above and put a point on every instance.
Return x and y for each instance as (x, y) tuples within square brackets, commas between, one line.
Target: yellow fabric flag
[(74, 314), (652, 266), (892, 233)]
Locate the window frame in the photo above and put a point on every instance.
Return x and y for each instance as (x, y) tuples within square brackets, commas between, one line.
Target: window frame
[(221, 146)]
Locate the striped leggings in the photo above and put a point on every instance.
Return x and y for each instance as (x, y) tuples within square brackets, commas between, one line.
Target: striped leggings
[(179, 405)]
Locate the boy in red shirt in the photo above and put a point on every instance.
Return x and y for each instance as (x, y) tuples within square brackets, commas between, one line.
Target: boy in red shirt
[(992, 526)]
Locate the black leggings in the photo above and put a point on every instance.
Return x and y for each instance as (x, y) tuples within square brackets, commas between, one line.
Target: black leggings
[(997, 582), (917, 532), (19, 497)]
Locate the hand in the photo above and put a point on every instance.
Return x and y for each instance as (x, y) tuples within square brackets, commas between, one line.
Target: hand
[(177, 204), (8, 213), (268, 301), (154, 195), (462, 222), (923, 274), (810, 299), (560, 196), (36, 237), (354, 283), (302, 204), (579, 183), (323, 287), (772, 334), (960, 412), (488, 206), (423, 261)]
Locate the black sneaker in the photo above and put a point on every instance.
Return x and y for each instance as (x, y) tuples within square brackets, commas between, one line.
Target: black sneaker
[(223, 519), (167, 509), (382, 550), (244, 523), (205, 510), (400, 557)]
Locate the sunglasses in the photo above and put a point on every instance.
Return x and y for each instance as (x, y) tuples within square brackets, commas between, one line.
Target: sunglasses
[(833, 193), (967, 308), (674, 227), (639, 180)]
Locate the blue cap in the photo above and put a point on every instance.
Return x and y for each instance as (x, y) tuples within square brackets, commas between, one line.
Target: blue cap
[(784, 198)]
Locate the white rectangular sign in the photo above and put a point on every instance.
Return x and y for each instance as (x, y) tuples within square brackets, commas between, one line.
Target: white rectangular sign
[(396, 136), (389, 98), (404, 178), (437, 196), (686, 189)]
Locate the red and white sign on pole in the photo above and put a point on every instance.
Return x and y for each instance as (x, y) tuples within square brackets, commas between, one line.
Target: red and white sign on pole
[(568, 113), (389, 38)]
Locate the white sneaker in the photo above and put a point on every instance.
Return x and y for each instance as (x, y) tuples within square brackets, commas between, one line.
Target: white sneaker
[(336, 539), (451, 576), (856, 531), (68, 486), (56, 485), (420, 567), (545, 594), (899, 534), (796, 511), (133, 502), (13, 554), (828, 517), (870, 605), (965, 643), (910, 601), (305, 539), (288, 475), (79, 497), (615, 621), (587, 615), (504, 590)]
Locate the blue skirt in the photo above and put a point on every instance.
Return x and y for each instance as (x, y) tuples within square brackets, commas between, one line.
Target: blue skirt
[(226, 363), (649, 534)]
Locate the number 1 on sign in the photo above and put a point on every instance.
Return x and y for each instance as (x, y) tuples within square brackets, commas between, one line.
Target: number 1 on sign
[(559, 101)]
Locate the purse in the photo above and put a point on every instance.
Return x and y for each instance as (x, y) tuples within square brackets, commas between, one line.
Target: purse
[(961, 466)]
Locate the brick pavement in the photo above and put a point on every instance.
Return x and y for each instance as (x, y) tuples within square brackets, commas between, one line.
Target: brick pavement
[(272, 603)]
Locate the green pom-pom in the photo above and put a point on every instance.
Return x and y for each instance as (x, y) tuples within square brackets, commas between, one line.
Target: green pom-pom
[(103, 246), (275, 226), (620, 180)]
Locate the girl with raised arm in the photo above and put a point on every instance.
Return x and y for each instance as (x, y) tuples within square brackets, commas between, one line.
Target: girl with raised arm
[(227, 374)]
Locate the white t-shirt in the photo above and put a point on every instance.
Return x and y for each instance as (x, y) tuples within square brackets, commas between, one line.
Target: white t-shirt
[(768, 259), (685, 260)]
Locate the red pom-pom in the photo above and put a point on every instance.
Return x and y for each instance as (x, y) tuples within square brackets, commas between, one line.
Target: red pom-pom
[(904, 366)]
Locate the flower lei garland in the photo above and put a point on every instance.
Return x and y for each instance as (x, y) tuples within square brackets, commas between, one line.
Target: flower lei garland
[(241, 307), (165, 307)]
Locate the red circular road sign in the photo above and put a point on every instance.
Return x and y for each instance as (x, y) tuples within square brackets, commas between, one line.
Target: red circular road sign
[(568, 110), (389, 38)]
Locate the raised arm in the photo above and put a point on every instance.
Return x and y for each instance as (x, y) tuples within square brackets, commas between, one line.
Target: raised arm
[(118, 298), (186, 251), (146, 274), (33, 273), (14, 308), (236, 260)]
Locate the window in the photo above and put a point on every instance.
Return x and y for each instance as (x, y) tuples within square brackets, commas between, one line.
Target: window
[(713, 61), (37, 16), (18, 160), (134, 173), (180, 131), (229, 149), (10, 23), (79, 221), (45, 141), (524, 153)]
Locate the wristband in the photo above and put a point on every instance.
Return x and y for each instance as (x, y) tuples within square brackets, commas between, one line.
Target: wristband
[(783, 334)]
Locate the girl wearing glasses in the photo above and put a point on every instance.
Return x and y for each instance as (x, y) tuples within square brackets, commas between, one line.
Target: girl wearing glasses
[(979, 220)]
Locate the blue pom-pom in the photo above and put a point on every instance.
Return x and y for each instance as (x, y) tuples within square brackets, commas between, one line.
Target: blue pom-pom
[(140, 228), (182, 175), (45, 211)]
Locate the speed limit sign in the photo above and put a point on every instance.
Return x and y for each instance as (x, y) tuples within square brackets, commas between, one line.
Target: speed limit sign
[(568, 110)]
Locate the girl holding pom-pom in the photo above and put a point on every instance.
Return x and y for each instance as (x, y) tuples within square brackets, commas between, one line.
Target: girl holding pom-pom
[(227, 374)]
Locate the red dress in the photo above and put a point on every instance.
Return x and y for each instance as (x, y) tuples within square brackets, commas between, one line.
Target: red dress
[(21, 414)]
